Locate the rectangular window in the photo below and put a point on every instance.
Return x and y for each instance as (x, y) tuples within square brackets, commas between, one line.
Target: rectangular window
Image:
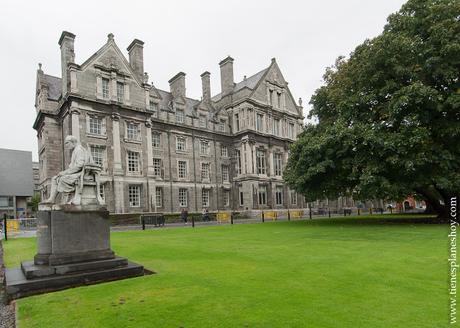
[(204, 147), (182, 169), (276, 127), (203, 121), (226, 198), (204, 171), (293, 197), (238, 161), (97, 153), (225, 173), (133, 131), (158, 197), (270, 97), (223, 151), (279, 195), (260, 157), (105, 88), (134, 195), (180, 144), (133, 162), (95, 125), (157, 167), (237, 123), (221, 126), (180, 116), (262, 195), (204, 197), (278, 164), (241, 198), (278, 94), (259, 122), (156, 140), (291, 130), (183, 197), (120, 92)]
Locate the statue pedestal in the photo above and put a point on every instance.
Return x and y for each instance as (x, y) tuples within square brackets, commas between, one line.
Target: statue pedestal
[(73, 250)]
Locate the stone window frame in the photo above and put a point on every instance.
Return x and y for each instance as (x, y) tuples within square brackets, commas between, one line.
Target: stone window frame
[(105, 88), (259, 126), (156, 136), (278, 164), (261, 161), (278, 195), (205, 174), (262, 195), (221, 125), (153, 107), (102, 193), (241, 197), (134, 195), (202, 121), (204, 147), (181, 176), (223, 151), (157, 169), (238, 161), (276, 127), (139, 162), (178, 149), (159, 197), (291, 129), (237, 122), (180, 118), (120, 91), (205, 196), (183, 193), (103, 158), (101, 126), (133, 136), (225, 173)]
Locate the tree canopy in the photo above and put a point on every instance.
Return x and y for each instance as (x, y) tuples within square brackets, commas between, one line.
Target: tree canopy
[(388, 116)]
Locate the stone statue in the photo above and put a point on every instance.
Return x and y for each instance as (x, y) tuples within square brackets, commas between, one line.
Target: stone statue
[(82, 173)]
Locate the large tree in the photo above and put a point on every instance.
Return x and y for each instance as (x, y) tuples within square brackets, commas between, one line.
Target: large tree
[(388, 117)]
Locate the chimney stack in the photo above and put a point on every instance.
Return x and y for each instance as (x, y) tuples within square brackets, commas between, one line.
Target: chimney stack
[(136, 57), (226, 75), (66, 42), (177, 85), (206, 86)]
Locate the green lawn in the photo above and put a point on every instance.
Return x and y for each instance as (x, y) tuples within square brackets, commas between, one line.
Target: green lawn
[(321, 273)]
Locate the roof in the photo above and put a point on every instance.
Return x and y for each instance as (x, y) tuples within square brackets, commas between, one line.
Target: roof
[(250, 82), (54, 86), (166, 98)]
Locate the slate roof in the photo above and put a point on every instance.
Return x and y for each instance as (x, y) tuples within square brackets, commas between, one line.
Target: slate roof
[(167, 97), (249, 82), (54, 86)]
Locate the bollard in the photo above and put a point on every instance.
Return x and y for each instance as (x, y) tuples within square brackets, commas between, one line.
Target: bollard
[(263, 217), (193, 221), (289, 215)]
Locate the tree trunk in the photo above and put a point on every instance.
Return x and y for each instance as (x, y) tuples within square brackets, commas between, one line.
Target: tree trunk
[(430, 198)]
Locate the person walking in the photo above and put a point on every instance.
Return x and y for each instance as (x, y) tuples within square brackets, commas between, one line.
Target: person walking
[(205, 214)]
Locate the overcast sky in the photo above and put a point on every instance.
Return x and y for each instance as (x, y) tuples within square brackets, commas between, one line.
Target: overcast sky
[(190, 36)]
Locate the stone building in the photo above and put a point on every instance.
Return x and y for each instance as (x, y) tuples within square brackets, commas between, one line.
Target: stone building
[(161, 150)]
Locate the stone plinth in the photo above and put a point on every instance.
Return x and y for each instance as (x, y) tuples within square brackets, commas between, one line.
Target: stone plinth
[(73, 249)]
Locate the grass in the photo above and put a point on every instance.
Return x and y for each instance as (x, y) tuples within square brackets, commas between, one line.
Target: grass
[(353, 272)]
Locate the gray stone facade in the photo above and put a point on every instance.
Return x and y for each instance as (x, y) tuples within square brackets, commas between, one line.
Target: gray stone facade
[(160, 150)]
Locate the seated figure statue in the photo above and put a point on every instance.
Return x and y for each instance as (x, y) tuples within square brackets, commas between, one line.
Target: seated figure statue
[(74, 179)]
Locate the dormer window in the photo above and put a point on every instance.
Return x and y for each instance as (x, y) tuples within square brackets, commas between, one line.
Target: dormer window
[(180, 117), (120, 92), (203, 121), (221, 126), (153, 107)]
